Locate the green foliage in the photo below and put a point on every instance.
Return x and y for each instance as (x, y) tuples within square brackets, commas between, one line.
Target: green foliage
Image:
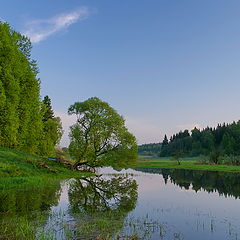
[(21, 169), (52, 129), (21, 115), (189, 163), (151, 149), (223, 140), (165, 140), (99, 137), (177, 156), (214, 156), (48, 114)]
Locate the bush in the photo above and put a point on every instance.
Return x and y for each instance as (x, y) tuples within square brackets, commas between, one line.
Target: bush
[(204, 159), (214, 157), (232, 160)]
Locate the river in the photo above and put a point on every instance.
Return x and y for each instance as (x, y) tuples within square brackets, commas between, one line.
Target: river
[(141, 203)]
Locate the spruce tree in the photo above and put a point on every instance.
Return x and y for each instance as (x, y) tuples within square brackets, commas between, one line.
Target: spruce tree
[(48, 109), (165, 141), (52, 128)]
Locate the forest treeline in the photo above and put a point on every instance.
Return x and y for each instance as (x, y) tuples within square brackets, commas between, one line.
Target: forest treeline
[(221, 140), (151, 149), (27, 123)]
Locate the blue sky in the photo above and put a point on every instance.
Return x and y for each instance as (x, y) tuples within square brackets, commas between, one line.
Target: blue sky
[(165, 65)]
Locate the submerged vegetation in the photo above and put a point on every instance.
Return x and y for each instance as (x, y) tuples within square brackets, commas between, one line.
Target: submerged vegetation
[(97, 209), (102, 208)]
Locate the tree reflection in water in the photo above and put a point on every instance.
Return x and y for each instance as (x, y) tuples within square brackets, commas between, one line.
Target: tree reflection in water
[(225, 183), (96, 208), (23, 210), (100, 205)]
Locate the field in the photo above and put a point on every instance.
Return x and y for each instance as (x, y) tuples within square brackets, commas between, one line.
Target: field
[(195, 163)]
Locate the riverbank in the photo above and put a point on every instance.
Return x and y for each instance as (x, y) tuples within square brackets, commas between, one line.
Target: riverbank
[(186, 164), (20, 169)]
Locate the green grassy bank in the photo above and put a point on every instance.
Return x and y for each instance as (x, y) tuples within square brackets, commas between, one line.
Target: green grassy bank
[(20, 169), (186, 163)]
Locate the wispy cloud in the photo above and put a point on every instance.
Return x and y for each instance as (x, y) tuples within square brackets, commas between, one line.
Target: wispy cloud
[(39, 30)]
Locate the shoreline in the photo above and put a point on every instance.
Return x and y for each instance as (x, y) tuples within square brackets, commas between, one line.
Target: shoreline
[(188, 165)]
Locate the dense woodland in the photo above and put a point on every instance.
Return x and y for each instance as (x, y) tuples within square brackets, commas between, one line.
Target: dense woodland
[(214, 142), (26, 123), (221, 140), (151, 149)]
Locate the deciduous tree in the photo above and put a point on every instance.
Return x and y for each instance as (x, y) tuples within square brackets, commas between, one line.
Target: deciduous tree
[(99, 136)]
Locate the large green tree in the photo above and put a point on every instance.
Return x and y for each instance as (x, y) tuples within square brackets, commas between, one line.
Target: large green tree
[(23, 123), (20, 120), (99, 136)]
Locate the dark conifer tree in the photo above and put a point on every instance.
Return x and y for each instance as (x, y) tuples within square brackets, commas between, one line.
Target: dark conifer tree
[(49, 114), (165, 141)]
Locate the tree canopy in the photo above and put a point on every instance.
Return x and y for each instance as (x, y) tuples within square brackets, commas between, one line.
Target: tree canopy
[(221, 140), (150, 149), (52, 128), (99, 137), (24, 120)]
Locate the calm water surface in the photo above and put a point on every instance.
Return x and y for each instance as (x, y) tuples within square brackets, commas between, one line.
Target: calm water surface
[(144, 202)]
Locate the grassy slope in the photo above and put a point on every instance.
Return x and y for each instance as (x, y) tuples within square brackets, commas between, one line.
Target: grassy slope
[(188, 163), (19, 169)]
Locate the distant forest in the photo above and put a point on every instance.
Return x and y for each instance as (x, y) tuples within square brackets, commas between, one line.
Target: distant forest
[(221, 140), (151, 149)]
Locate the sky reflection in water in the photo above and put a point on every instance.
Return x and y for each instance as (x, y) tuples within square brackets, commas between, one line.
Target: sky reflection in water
[(210, 213), (155, 203)]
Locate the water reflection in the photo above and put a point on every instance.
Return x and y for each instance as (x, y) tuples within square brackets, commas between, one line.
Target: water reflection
[(227, 184), (19, 207), (98, 194), (172, 204), (100, 204), (83, 208), (25, 201)]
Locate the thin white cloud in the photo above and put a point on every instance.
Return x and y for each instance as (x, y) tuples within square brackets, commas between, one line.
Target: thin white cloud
[(39, 30)]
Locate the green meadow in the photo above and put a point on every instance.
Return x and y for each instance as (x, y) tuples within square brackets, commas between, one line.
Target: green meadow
[(20, 169), (195, 163)]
